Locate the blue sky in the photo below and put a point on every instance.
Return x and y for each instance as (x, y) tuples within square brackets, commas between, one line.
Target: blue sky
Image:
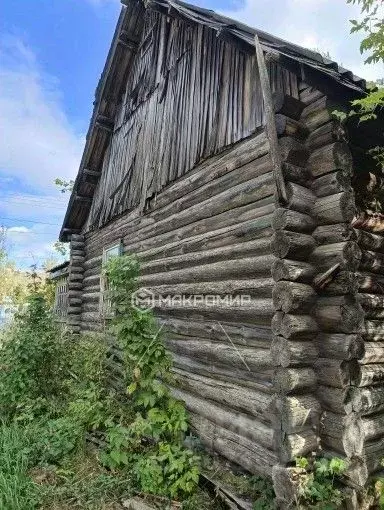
[(51, 55)]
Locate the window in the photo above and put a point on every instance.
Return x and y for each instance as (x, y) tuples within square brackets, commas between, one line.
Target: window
[(105, 303), (61, 298)]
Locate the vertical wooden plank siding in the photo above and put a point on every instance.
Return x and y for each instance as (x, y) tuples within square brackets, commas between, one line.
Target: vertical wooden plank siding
[(189, 95)]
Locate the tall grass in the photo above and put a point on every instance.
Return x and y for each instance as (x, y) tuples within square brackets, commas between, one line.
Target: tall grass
[(17, 491)]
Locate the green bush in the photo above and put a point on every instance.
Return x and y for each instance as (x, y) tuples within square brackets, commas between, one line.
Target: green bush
[(31, 363), (153, 442)]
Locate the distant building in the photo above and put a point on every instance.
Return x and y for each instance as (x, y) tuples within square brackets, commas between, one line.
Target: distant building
[(59, 274)]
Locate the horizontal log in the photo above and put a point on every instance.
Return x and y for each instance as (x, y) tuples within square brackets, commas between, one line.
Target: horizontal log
[(254, 287), (336, 208), (337, 400), (255, 228), (292, 270), (297, 413), (347, 254), (339, 346), (92, 262), (75, 294), (373, 305), (248, 335), (326, 134), (334, 182), (73, 301), (260, 379), (337, 373), (373, 352), (286, 126), (374, 451), (372, 261), (339, 314), (293, 326), (248, 454), (319, 112), (342, 433), (295, 445), (368, 400), (292, 151), (297, 174), (371, 375), (201, 227), (254, 248), (77, 238), (287, 105), (291, 380), (309, 94), (286, 353), (221, 353), (369, 241), (238, 308), (291, 245), (293, 297), (286, 219), (329, 158), (344, 282), (75, 277), (300, 198), (336, 233), (242, 194), (373, 426), (75, 285), (242, 424), (373, 330), (231, 395), (252, 266)]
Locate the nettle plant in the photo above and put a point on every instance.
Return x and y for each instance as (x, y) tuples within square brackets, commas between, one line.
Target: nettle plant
[(153, 442)]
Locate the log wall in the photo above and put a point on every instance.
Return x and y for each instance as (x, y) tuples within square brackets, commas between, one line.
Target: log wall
[(210, 233), (349, 304), (369, 396)]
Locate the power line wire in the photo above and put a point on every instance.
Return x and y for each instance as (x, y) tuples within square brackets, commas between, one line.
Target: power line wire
[(29, 221)]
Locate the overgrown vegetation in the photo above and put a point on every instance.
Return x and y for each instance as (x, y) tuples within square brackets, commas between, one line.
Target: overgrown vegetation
[(85, 425), (319, 481)]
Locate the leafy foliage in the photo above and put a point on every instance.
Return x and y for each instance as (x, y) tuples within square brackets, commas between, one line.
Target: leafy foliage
[(64, 186), (29, 358), (153, 441), (317, 482)]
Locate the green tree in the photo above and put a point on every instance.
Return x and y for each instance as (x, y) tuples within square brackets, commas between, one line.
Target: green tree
[(372, 45)]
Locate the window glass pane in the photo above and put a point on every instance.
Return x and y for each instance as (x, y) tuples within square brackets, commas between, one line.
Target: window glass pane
[(113, 251)]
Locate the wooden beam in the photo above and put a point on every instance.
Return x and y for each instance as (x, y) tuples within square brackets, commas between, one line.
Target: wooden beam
[(126, 40), (91, 173), (105, 123), (270, 124), (86, 200), (71, 231)]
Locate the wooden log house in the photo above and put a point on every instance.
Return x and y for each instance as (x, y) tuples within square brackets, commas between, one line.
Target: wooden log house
[(214, 156)]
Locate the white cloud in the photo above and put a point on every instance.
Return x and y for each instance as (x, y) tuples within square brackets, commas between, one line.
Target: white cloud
[(38, 142), (320, 24)]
